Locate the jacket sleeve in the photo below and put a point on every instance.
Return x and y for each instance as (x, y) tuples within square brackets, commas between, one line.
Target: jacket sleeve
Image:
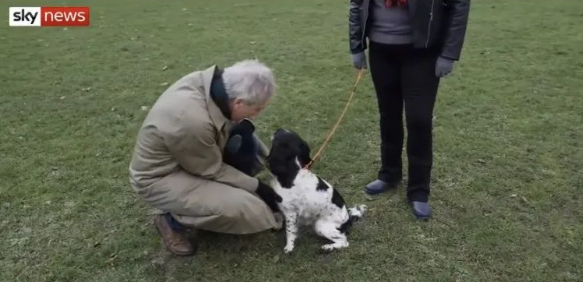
[(355, 28), (263, 150), (196, 150), (457, 13)]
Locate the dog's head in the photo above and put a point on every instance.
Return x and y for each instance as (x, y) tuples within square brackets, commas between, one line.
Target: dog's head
[(288, 154)]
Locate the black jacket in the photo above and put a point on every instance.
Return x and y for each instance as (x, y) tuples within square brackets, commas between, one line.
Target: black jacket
[(440, 23)]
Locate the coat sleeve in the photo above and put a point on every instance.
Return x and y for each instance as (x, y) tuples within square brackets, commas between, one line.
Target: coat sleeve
[(355, 28), (457, 13), (263, 150), (195, 148)]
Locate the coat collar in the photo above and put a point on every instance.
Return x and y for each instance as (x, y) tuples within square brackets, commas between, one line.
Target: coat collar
[(219, 120)]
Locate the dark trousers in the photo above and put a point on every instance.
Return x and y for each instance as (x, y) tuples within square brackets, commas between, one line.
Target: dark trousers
[(404, 78)]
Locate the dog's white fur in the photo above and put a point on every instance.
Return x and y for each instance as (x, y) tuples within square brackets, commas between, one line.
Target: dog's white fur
[(304, 204)]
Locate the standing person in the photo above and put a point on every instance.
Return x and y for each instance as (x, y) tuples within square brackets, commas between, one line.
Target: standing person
[(413, 43)]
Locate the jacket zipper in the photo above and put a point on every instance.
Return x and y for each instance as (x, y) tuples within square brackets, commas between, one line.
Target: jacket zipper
[(429, 25)]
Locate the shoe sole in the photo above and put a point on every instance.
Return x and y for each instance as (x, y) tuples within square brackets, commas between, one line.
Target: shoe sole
[(422, 217)]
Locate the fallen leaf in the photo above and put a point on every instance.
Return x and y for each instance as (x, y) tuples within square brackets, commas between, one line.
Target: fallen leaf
[(65, 28), (276, 259), (513, 195), (252, 42), (164, 84), (110, 260), (144, 108), (164, 68), (62, 97), (86, 89)]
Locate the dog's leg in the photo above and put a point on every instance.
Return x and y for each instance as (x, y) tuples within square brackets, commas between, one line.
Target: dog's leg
[(328, 230), (291, 231)]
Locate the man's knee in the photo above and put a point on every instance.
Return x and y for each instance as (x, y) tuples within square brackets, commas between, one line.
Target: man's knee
[(236, 211), (245, 214), (243, 205)]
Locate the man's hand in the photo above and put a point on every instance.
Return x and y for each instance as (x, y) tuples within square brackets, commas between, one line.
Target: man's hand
[(268, 195), (234, 144), (359, 60), (443, 66)]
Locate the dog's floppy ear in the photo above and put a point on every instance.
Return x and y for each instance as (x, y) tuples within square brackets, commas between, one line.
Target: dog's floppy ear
[(304, 153)]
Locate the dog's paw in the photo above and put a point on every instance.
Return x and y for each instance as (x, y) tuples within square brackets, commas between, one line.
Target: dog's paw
[(335, 246), (362, 208), (328, 248), (288, 249)]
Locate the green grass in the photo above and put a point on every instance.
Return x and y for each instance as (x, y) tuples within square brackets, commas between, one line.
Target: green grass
[(508, 144)]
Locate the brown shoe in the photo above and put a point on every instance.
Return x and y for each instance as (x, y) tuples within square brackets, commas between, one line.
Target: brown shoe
[(176, 242)]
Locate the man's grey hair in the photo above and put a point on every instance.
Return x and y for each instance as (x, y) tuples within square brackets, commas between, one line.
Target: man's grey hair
[(249, 80)]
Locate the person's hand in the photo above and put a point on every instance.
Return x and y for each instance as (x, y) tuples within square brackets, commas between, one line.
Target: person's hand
[(234, 144), (443, 66), (242, 129), (268, 195), (359, 60)]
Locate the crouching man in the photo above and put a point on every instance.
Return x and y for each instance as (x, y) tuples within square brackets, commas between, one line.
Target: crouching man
[(196, 155)]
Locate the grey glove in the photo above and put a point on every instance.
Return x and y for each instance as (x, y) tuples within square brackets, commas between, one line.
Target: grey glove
[(443, 66), (359, 60)]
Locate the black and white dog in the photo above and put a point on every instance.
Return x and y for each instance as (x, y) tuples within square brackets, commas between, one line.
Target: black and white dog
[(307, 198)]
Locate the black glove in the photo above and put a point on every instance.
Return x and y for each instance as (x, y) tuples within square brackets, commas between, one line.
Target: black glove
[(268, 195)]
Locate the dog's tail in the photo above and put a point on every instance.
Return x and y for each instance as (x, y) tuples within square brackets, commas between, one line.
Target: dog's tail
[(355, 214)]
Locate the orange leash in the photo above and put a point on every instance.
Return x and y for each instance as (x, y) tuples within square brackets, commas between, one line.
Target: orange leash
[(317, 155)]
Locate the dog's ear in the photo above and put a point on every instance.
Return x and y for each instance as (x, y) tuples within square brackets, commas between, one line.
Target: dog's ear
[(304, 153)]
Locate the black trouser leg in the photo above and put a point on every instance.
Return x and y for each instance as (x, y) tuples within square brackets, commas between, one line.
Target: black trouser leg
[(385, 68), (420, 87)]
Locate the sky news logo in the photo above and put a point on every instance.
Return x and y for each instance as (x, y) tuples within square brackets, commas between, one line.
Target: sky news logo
[(49, 16)]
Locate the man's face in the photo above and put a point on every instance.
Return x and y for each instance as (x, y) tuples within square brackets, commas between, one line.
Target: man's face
[(241, 110)]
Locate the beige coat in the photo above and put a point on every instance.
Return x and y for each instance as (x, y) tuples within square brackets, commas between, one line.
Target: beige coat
[(177, 164)]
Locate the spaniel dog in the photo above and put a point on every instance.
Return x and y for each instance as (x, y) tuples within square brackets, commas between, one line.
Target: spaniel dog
[(307, 198)]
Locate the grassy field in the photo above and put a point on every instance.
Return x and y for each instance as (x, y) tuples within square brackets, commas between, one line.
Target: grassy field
[(508, 144)]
